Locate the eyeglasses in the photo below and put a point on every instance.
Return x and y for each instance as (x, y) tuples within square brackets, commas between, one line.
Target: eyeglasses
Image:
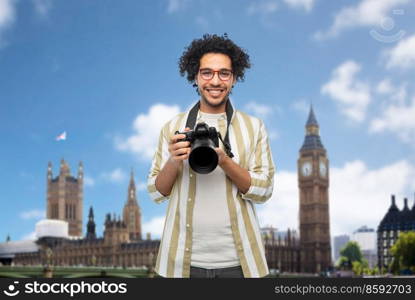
[(224, 74)]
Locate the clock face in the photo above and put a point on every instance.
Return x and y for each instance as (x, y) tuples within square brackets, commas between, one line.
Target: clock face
[(306, 169), (323, 169)]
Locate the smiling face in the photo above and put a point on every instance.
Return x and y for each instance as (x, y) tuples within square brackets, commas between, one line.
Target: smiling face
[(214, 92)]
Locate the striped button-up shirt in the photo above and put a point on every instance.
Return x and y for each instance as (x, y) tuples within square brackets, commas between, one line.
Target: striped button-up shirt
[(250, 146)]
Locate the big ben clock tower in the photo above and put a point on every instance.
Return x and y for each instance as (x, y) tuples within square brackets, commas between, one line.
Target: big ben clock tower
[(313, 183)]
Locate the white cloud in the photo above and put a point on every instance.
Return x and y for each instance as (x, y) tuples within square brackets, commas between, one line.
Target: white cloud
[(398, 118), (384, 86), (154, 226), (351, 94), (281, 211), (396, 93), (147, 129), (42, 7), (365, 13), (307, 5), (357, 196), (360, 196), (33, 214), (117, 175), (30, 236), (174, 6), (301, 105), (7, 16), (89, 181), (259, 110), (265, 7), (141, 186), (402, 55)]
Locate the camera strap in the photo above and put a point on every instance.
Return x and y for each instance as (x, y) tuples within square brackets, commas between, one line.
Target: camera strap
[(191, 122)]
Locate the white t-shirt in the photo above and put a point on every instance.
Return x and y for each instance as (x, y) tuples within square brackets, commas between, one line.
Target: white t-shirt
[(213, 245)]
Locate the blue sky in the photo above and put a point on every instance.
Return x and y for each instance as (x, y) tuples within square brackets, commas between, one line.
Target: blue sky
[(106, 73)]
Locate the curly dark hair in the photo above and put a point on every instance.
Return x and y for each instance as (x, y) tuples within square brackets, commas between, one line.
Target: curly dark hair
[(211, 43)]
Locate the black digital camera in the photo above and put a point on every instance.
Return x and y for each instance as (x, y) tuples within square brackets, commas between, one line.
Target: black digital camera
[(203, 158)]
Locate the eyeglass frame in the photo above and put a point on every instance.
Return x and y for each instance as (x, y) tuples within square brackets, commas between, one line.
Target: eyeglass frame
[(216, 71)]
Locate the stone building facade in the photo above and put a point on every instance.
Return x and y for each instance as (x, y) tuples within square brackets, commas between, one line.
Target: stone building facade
[(121, 245), (394, 222)]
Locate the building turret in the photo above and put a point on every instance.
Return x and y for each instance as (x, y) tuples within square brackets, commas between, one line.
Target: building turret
[(115, 231), (392, 215), (50, 174), (91, 225), (132, 211), (80, 171), (406, 214), (64, 169), (65, 198)]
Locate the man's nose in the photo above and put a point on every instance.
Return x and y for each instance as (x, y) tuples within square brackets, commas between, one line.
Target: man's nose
[(215, 79)]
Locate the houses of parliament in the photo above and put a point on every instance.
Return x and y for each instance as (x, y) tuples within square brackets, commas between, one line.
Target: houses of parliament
[(123, 243)]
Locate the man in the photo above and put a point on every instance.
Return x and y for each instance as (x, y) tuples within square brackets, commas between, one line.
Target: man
[(211, 228)]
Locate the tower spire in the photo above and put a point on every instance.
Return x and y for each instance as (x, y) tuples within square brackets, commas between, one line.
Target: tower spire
[(312, 121), (131, 189), (312, 139), (132, 212)]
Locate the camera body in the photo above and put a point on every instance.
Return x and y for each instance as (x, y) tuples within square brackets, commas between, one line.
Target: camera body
[(203, 158)]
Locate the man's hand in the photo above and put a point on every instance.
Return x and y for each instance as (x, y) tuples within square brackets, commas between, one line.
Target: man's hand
[(222, 157), (239, 176), (179, 151)]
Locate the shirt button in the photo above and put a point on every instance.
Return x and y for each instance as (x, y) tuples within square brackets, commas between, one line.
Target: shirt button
[(187, 225), (187, 249), (190, 199), (191, 175)]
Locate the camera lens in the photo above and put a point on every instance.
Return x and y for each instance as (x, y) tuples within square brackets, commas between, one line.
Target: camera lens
[(203, 159)]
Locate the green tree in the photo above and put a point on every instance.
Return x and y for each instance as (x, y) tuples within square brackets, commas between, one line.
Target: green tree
[(403, 252), (361, 267), (350, 253), (343, 263)]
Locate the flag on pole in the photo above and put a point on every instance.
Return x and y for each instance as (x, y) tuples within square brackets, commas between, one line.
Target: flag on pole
[(61, 137)]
